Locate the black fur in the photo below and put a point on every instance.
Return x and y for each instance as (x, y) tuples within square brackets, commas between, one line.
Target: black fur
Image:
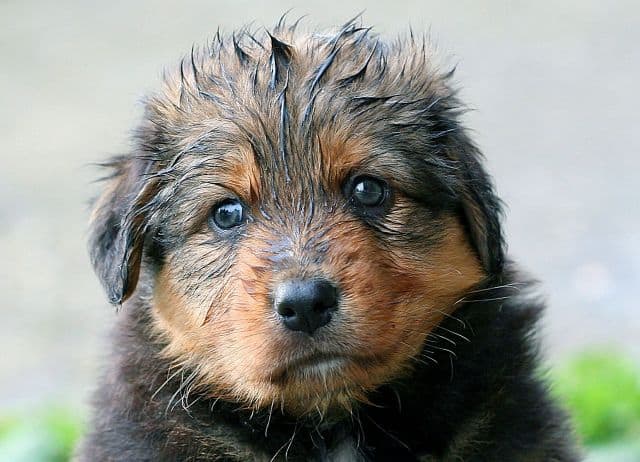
[(481, 399), (476, 396)]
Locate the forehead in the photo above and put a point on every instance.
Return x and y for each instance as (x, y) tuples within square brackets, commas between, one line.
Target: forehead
[(300, 109), (228, 161)]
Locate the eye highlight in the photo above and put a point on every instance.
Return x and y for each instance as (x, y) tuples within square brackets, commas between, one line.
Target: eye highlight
[(368, 191), (228, 214)]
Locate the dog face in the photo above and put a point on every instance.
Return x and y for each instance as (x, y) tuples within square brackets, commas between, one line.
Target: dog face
[(302, 211)]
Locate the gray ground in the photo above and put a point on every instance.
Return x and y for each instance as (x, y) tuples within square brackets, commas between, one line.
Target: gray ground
[(554, 85)]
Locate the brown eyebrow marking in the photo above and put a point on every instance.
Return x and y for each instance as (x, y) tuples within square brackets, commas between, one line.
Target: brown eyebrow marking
[(339, 155), (243, 175)]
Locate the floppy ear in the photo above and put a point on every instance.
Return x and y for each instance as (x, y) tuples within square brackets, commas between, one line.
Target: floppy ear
[(482, 210), (118, 227)]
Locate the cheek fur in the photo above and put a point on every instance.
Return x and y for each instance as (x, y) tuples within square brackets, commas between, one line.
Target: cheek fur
[(221, 327), (393, 298), (225, 328)]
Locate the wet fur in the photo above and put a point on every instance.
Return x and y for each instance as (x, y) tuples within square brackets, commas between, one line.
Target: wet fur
[(282, 120)]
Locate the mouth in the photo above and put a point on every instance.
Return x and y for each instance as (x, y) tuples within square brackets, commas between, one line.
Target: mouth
[(322, 366), (317, 365)]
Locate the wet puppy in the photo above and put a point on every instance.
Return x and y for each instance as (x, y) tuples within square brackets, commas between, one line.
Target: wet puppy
[(309, 258)]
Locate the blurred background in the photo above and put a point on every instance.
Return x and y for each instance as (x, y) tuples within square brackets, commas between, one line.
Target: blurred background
[(554, 88)]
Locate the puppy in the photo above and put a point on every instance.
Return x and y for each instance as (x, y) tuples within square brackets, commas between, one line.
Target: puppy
[(310, 263)]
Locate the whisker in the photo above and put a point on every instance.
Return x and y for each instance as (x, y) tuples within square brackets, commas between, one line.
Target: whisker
[(266, 429), (165, 383), (513, 285), (457, 334)]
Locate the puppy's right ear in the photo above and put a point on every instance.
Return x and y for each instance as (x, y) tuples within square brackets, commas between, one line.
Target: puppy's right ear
[(118, 227)]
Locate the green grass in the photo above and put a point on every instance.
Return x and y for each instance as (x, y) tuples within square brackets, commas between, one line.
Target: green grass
[(602, 392)]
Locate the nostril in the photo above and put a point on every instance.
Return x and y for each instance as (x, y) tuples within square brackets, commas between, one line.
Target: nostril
[(285, 311), (327, 297)]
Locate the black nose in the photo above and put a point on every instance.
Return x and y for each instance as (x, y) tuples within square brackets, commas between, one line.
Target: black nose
[(305, 305)]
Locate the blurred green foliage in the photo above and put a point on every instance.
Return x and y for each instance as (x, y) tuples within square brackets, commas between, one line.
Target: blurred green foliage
[(601, 391), (45, 436)]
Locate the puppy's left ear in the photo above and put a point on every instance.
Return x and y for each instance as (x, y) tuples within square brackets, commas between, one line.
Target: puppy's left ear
[(482, 209), (118, 227)]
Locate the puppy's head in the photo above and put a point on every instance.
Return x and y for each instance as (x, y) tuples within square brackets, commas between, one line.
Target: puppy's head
[(303, 210)]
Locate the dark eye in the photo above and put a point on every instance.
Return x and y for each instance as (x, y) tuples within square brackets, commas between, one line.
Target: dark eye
[(228, 214), (369, 191)]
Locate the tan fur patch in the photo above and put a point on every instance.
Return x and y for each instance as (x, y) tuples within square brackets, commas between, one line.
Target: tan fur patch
[(339, 156), (390, 304)]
